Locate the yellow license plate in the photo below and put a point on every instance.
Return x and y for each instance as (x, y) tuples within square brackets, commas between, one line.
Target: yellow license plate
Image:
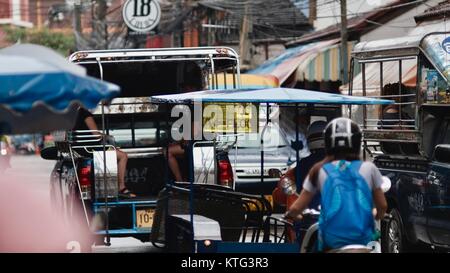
[(268, 197), (144, 218)]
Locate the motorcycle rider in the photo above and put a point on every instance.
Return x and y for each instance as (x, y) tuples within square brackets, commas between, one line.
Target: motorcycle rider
[(349, 187)]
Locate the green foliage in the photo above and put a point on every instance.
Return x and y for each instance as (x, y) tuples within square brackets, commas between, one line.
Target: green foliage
[(64, 43)]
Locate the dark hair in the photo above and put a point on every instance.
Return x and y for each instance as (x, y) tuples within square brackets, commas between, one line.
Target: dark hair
[(314, 172)]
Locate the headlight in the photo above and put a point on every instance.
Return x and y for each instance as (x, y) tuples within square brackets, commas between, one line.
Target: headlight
[(288, 186), (3, 151)]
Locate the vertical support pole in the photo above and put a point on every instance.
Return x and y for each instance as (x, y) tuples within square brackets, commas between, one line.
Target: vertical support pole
[(262, 147), (381, 89), (213, 73), (225, 80), (217, 81), (364, 106), (297, 147), (381, 79), (168, 144), (105, 183), (234, 77), (350, 86), (169, 183), (400, 92), (191, 179), (133, 212), (344, 46)]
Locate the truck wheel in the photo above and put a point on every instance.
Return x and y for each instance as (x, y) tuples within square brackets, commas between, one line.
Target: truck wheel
[(392, 234)]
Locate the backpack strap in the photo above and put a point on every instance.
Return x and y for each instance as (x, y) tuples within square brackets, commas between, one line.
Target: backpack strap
[(330, 169), (355, 166)]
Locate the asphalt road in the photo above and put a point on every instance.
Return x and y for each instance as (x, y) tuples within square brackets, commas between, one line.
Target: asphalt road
[(33, 171)]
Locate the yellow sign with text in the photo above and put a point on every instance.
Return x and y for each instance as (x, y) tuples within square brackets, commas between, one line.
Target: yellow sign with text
[(230, 118)]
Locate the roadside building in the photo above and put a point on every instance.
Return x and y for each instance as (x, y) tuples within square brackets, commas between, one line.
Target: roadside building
[(13, 13), (257, 30), (312, 61)]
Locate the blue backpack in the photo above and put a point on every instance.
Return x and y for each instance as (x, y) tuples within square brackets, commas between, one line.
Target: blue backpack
[(346, 209)]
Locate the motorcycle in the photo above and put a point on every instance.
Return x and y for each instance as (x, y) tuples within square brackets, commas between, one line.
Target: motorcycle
[(309, 238)]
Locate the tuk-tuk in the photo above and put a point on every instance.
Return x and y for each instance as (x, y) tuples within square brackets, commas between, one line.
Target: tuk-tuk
[(192, 217)]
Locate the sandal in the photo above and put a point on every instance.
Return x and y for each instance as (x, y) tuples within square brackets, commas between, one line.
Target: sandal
[(126, 193)]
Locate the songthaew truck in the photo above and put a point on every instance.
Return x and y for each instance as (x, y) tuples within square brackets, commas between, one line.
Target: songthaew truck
[(410, 140), (84, 180)]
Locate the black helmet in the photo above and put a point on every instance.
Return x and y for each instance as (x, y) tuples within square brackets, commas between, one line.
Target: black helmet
[(342, 135)]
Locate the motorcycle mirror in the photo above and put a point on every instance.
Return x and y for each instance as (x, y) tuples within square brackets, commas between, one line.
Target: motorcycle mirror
[(288, 186), (274, 173), (386, 184)]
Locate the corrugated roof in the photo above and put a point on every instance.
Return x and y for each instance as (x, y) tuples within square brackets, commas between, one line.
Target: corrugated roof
[(440, 10), (269, 18), (358, 24)]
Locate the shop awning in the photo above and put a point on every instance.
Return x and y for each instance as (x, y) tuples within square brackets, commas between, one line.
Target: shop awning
[(390, 75), (323, 65), (287, 63)]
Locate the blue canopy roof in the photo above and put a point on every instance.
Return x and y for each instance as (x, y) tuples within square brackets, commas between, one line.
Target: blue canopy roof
[(40, 91), (270, 95)]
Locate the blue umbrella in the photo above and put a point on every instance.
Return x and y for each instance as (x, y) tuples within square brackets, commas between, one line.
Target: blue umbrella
[(40, 91)]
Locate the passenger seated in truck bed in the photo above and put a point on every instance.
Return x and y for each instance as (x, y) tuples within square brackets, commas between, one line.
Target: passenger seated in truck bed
[(177, 150), (396, 117), (85, 121)]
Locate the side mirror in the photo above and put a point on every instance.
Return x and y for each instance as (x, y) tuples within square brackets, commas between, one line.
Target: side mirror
[(442, 153), (386, 184), (49, 153), (274, 173)]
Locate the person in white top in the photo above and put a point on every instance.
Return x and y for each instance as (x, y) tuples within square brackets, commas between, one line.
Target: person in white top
[(287, 120)]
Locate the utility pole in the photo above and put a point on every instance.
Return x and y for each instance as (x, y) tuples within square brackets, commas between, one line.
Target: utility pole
[(102, 8), (178, 35), (39, 15), (100, 26), (77, 17), (344, 38), (244, 43), (312, 11)]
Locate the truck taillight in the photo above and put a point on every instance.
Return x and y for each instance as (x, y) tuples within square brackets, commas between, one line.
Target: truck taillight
[(84, 175), (225, 173)]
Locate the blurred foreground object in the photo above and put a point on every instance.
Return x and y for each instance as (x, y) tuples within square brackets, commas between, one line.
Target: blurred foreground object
[(28, 224), (40, 91)]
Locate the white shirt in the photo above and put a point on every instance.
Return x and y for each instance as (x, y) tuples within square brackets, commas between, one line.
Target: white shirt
[(368, 171), (287, 124)]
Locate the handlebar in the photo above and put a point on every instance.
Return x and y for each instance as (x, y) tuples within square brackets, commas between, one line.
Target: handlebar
[(387, 217)]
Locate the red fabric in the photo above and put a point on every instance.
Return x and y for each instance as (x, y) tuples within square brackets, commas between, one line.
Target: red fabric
[(282, 199)]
